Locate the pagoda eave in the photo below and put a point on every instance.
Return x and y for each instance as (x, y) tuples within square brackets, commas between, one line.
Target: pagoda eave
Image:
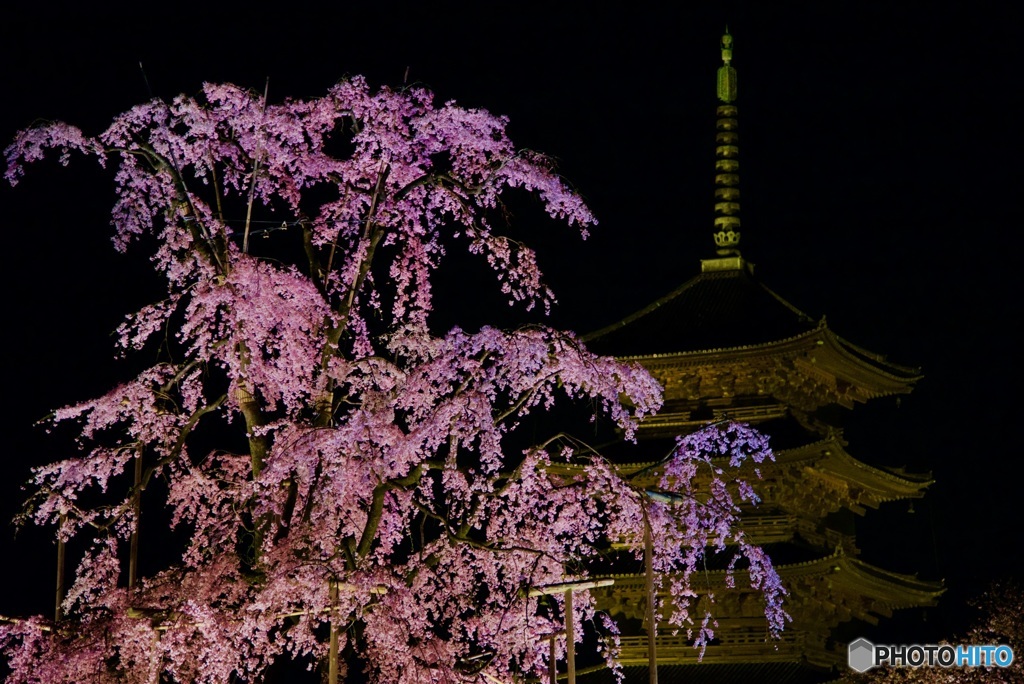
[(822, 593), (819, 348)]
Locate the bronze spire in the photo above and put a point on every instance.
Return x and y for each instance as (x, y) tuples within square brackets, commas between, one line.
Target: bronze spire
[(727, 165)]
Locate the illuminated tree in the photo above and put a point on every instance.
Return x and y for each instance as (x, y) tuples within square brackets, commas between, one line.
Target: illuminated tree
[(355, 488)]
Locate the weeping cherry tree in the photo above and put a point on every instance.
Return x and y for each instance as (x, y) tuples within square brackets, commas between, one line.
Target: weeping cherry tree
[(356, 489)]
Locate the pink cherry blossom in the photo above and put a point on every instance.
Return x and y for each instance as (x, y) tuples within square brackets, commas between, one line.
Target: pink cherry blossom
[(334, 460)]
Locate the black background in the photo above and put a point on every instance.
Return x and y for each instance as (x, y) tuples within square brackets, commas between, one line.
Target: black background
[(880, 180)]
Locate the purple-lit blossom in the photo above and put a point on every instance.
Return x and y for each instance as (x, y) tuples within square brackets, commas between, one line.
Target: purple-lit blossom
[(332, 458)]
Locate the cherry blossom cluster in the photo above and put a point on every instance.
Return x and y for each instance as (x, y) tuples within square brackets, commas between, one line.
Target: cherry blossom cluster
[(350, 479)]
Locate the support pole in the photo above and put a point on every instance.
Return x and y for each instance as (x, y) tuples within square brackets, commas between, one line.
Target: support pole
[(133, 557), (552, 660), (570, 638), (332, 658), (652, 622), (58, 611)]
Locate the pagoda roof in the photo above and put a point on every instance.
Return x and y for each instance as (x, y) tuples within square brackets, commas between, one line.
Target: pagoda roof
[(723, 310), (714, 310), (882, 590), (823, 592), (828, 458), (802, 486)]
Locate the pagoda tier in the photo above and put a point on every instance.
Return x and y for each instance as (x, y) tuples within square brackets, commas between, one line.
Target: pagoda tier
[(823, 593), (803, 486), (724, 346)]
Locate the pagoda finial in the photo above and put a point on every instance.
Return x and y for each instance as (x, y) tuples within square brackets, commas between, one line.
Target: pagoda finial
[(727, 165), (726, 73)]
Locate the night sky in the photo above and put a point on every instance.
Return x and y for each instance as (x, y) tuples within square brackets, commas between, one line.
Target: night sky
[(880, 179)]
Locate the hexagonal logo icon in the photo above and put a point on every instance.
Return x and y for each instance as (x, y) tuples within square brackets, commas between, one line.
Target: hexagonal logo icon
[(861, 656)]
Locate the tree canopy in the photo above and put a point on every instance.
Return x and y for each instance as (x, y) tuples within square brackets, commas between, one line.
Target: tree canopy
[(357, 488)]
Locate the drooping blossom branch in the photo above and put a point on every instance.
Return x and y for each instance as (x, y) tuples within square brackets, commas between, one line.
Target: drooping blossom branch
[(312, 430)]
